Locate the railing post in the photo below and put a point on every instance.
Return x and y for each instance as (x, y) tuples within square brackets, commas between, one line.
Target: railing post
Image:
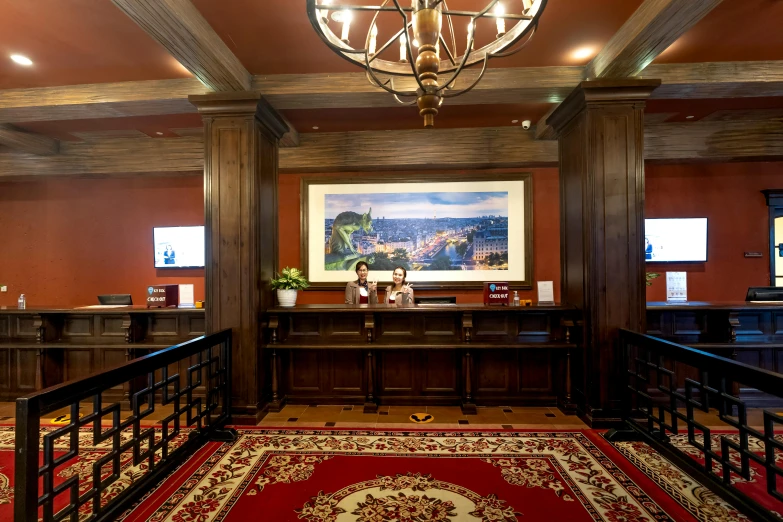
[(26, 460)]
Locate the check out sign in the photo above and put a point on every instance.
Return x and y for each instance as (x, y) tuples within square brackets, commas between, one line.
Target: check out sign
[(496, 293)]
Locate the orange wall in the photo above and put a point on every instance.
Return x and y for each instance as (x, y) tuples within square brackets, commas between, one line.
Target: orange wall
[(546, 235), (66, 241), (729, 196)]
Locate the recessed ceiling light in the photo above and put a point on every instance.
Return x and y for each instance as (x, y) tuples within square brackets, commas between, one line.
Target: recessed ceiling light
[(582, 53), (514, 121), (315, 128), (159, 133), (21, 60), (689, 117)]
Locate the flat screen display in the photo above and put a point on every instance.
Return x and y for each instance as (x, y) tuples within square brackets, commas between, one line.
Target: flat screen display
[(675, 240), (178, 247)]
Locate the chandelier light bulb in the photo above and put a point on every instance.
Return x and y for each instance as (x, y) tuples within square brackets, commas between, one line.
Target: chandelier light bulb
[(346, 19), (403, 50), (500, 22), (526, 5), (373, 39), (324, 13), (470, 35)]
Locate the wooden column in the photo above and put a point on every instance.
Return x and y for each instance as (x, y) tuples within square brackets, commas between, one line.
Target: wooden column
[(601, 136), (241, 133)]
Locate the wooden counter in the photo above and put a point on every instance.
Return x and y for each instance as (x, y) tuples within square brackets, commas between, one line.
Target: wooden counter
[(429, 355), (751, 333), (44, 346)]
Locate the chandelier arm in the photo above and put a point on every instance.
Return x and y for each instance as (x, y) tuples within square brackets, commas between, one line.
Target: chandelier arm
[(369, 33), (453, 39), (446, 48), (522, 46), (374, 80), (390, 42), (408, 45), (467, 89)]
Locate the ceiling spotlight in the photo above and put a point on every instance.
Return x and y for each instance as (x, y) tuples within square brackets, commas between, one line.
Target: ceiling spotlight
[(315, 127), (689, 117), (159, 133), (514, 121), (582, 53), (21, 60)]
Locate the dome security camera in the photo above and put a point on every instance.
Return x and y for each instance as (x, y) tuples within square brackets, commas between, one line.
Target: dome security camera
[(526, 124)]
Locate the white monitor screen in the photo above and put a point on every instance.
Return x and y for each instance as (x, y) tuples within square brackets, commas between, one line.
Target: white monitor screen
[(675, 239), (178, 247)]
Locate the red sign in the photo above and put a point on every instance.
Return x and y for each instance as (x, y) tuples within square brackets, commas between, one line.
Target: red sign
[(162, 296), (496, 294)]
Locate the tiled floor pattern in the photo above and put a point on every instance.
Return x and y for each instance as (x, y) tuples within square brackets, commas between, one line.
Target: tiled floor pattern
[(507, 417), (442, 417)]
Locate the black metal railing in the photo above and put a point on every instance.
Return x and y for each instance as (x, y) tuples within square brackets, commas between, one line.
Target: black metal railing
[(668, 383), (99, 462)]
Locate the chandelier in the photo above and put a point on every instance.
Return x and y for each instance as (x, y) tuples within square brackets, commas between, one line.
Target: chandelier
[(420, 36)]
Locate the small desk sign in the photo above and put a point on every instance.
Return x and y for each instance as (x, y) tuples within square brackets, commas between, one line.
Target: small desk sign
[(186, 299), (496, 294), (676, 286), (546, 293), (162, 296)]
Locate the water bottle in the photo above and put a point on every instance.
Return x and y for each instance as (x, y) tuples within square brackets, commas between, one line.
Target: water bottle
[(516, 298), (22, 303)]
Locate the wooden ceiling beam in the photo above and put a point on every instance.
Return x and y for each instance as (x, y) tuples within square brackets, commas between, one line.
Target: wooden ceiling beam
[(351, 90), (21, 140), (180, 28), (510, 147), (654, 26)]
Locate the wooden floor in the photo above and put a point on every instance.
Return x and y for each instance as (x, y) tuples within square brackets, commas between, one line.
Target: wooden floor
[(399, 417)]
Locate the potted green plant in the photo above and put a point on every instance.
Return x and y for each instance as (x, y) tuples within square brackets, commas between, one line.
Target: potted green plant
[(288, 283), (650, 276)]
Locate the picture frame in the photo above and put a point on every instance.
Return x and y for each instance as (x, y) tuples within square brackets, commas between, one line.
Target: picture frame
[(485, 232)]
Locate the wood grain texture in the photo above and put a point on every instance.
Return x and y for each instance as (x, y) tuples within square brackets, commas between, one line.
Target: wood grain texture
[(654, 26), (21, 140), (179, 27), (714, 141), (717, 79), (342, 90), (544, 131), (345, 90), (399, 150), (115, 156), (600, 128), (103, 100), (290, 138)]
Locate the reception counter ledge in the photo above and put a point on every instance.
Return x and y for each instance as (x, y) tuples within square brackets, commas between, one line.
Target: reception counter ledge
[(464, 355), (751, 333), (41, 347)]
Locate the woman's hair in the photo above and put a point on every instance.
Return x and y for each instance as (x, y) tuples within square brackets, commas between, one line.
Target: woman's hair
[(362, 264), (404, 273)]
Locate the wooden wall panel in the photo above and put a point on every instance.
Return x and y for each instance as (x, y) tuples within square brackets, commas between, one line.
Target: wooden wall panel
[(346, 372), (439, 375), (304, 374), (396, 372)]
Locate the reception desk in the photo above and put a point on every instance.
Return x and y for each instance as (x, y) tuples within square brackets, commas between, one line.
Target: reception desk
[(751, 333), (464, 355), (41, 347)]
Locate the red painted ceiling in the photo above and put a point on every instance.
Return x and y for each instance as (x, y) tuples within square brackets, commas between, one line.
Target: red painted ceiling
[(77, 41)]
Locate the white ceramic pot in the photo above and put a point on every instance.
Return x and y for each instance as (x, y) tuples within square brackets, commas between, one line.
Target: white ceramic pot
[(286, 298)]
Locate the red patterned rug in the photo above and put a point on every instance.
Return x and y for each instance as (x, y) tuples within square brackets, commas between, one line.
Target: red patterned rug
[(407, 476), (378, 476)]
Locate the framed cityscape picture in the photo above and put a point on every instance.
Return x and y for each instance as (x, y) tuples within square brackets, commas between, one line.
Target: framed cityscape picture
[(445, 233)]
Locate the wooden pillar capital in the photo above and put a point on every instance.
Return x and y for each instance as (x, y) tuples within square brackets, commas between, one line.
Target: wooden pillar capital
[(597, 94), (240, 104)]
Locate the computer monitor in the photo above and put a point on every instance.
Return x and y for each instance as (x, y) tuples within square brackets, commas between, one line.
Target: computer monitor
[(115, 299), (435, 299), (764, 293)]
